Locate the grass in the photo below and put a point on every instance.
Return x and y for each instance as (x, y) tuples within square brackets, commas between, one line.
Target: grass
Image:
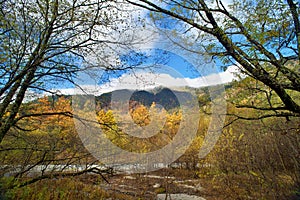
[(217, 186), (62, 188)]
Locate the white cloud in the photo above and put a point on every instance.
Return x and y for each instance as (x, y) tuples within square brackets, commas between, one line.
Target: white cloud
[(143, 81)]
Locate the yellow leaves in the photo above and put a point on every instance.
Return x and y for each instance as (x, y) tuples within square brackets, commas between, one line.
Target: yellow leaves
[(241, 137), (43, 103), (253, 173), (49, 107), (172, 123), (48, 104), (47, 132), (110, 128), (106, 117), (140, 115), (48, 124)]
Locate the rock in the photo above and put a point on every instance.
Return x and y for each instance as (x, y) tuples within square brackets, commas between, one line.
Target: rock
[(199, 187), (179, 197), (129, 177), (159, 177), (156, 185)]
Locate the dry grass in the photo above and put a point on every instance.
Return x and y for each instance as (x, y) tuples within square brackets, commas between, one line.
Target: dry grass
[(63, 188), (217, 186)]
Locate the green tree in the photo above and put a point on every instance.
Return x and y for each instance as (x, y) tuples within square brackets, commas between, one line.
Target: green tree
[(261, 37), (48, 41)]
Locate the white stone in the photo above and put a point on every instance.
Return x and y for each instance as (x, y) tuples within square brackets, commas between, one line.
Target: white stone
[(129, 177), (156, 185), (179, 197)]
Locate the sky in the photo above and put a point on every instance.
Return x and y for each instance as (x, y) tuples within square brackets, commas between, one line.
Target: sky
[(157, 61)]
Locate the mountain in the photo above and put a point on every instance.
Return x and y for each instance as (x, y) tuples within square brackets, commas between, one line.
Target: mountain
[(169, 99), (165, 97)]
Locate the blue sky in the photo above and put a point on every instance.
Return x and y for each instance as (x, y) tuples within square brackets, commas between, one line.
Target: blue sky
[(169, 59), (162, 57)]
